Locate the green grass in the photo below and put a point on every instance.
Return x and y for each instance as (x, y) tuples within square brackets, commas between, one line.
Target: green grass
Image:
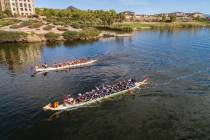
[(62, 29), (89, 33), (52, 37), (85, 34), (116, 27), (35, 25), (145, 25), (71, 35), (48, 27), (6, 36), (6, 22), (28, 23), (134, 25)]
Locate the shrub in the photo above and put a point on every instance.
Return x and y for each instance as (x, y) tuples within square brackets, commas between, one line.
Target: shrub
[(120, 28), (35, 25), (26, 23), (125, 29), (164, 18), (6, 22), (77, 25), (71, 35), (62, 29), (22, 24), (59, 23), (16, 26), (48, 27), (6, 36), (173, 19), (88, 33), (52, 37)]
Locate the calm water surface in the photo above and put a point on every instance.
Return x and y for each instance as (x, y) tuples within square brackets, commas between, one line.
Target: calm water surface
[(175, 107)]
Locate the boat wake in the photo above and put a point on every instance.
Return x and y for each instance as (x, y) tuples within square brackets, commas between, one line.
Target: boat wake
[(66, 65)]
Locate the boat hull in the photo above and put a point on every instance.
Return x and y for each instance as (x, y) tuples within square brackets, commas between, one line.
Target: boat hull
[(70, 107), (65, 67)]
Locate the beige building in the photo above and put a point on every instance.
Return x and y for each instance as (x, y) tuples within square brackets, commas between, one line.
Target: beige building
[(2, 6), (18, 7), (197, 14)]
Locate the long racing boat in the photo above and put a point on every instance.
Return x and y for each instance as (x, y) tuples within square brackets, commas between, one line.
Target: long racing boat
[(64, 106), (86, 63)]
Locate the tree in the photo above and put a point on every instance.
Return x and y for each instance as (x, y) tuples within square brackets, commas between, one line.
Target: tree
[(120, 17), (1, 14), (80, 18), (164, 18), (8, 13), (173, 19)]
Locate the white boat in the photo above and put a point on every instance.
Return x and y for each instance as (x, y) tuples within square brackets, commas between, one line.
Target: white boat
[(65, 67), (63, 107)]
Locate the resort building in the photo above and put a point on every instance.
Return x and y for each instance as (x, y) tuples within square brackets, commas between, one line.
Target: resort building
[(180, 16), (2, 6), (129, 16), (18, 7), (197, 14)]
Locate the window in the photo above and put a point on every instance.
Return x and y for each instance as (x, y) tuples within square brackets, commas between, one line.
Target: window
[(29, 5), (13, 9), (21, 9), (21, 5), (26, 9)]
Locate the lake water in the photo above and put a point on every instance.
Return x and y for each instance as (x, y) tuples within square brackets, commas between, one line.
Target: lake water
[(175, 107)]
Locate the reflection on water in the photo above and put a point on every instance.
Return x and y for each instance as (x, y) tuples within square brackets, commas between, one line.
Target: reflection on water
[(19, 56), (175, 107)]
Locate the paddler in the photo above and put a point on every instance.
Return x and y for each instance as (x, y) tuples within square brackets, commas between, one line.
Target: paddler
[(44, 66), (55, 105)]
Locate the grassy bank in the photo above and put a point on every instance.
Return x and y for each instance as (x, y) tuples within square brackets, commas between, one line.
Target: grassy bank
[(117, 28), (131, 26), (85, 34), (11, 36), (6, 22), (27, 23), (149, 25), (61, 33), (52, 37)]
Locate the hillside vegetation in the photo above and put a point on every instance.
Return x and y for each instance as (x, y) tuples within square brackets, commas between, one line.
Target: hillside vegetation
[(80, 18)]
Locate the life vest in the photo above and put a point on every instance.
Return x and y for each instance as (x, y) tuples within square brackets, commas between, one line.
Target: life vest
[(55, 105)]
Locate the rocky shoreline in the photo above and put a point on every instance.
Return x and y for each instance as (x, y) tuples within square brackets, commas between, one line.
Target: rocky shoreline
[(33, 37)]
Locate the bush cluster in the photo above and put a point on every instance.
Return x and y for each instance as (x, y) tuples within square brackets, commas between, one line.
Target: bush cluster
[(52, 37), (35, 25), (48, 27), (62, 29), (6, 22), (6, 36), (85, 34), (79, 18), (116, 28), (29, 23)]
